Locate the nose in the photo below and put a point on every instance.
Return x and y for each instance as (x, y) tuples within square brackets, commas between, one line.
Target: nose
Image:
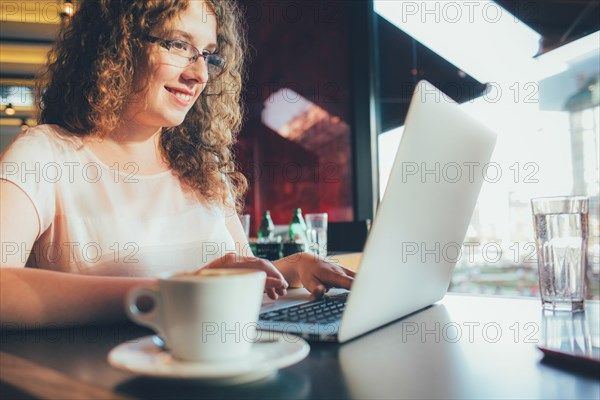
[(197, 71)]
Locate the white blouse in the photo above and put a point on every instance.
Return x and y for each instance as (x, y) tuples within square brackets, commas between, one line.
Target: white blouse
[(108, 220)]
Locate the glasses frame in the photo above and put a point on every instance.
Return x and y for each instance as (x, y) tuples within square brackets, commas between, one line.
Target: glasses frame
[(210, 59)]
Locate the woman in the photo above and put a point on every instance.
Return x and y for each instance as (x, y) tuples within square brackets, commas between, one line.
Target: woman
[(130, 173)]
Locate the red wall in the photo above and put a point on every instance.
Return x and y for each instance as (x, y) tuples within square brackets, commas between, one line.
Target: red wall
[(303, 46)]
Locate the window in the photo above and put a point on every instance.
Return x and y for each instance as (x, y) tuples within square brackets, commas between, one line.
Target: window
[(545, 109)]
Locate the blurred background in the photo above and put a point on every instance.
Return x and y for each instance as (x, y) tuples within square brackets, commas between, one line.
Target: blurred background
[(328, 89)]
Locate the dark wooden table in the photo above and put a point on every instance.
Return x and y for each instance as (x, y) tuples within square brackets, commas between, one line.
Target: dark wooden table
[(463, 347)]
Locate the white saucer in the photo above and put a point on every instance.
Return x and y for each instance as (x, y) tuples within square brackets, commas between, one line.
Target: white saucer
[(144, 357)]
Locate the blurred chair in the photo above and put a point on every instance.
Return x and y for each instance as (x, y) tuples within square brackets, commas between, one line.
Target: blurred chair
[(347, 236)]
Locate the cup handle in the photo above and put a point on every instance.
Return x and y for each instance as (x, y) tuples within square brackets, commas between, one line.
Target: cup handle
[(152, 318)]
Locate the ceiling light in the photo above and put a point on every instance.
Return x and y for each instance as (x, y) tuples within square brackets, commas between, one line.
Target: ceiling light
[(10, 110), (67, 9)]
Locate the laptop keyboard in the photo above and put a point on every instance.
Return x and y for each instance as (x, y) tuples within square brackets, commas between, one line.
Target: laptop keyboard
[(326, 310)]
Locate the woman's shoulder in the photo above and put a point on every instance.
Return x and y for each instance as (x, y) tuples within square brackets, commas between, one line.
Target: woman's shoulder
[(52, 135), (42, 144)]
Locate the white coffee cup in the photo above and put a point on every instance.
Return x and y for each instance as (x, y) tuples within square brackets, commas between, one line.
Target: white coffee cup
[(209, 316)]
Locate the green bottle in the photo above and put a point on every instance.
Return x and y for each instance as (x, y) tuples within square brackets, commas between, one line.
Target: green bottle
[(297, 230), (266, 229)]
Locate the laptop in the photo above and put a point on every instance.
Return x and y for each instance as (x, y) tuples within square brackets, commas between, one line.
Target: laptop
[(417, 234)]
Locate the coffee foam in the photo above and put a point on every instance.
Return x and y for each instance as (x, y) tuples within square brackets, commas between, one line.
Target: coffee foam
[(225, 271), (212, 273)]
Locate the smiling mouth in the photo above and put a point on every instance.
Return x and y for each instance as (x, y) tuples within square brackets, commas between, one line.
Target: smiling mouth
[(182, 96)]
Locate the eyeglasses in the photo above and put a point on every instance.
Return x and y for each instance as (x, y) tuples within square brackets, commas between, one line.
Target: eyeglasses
[(183, 54)]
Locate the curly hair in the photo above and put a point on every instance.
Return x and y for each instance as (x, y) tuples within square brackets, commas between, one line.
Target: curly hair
[(89, 79)]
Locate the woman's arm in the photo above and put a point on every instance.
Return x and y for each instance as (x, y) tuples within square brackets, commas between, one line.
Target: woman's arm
[(31, 298), (19, 224)]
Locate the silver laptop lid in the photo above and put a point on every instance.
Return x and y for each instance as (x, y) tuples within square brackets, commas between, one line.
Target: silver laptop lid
[(417, 234)]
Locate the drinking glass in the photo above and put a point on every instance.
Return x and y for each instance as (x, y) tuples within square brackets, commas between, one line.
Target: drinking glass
[(316, 226), (561, 232), (245, 220)]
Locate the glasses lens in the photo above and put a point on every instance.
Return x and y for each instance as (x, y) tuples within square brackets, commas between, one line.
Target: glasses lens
[(180, 53), (183, 54), (215, 64)]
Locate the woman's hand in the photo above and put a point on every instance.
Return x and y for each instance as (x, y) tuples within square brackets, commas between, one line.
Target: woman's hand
[(275, 285), (314, 273)]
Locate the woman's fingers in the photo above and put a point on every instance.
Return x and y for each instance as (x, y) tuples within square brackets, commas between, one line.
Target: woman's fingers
[(347, 271), (317, 289), (277, 285), (341, 268), (322, 275), (233, 260), (338, 280), (274, 283), (271, 293), (334, 275), (274, 277)]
